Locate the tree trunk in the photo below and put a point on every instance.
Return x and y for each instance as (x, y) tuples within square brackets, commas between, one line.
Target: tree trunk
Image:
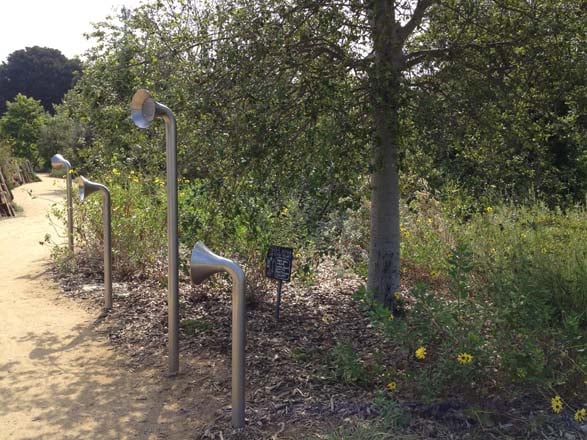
[(385, 80)]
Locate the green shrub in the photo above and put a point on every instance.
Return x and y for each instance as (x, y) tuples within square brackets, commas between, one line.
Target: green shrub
[(513, 297), (244, 225), (346, 365), (532, 268), (139, 234)]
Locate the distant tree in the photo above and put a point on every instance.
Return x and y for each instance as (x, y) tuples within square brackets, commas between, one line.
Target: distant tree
[(21, 126), (38, 72), (60, 134)]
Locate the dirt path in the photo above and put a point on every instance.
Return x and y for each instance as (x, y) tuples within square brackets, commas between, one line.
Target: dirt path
[(58, 378)]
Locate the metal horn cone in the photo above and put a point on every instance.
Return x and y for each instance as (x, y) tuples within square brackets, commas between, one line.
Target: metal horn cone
[(58, 161), (204, 263), (142, 108), (86, 187)]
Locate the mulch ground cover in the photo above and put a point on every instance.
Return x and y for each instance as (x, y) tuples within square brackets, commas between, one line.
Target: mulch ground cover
[(294, 389)]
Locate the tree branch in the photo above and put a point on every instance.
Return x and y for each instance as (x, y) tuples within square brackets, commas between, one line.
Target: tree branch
[(414, 58), (406, 30)]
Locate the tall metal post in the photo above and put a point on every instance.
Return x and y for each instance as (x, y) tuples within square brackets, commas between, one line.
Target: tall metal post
[(106, 212), (238, 345), (172, 245), (143, 110), (69, 210)]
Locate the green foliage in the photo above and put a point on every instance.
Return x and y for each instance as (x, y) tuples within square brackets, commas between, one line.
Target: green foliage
[(268, 154), (386, 427), (511, 294), (533, 261), (60, 134), (195, 326), (274, 109), (138, 223), (21, 127), (347, 367), (504, 112), (39, 72)]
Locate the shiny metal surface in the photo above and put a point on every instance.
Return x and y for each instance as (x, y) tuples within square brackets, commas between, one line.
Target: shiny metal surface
[(86, 188), (143, 110), (203, 263), (58, 162)]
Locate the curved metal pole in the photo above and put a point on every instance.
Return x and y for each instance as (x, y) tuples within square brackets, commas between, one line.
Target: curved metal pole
[(203, 263), (172, 246), (143, 110), (88, 187)]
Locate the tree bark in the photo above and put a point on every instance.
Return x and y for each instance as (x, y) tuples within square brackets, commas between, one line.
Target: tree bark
[(385, 82)]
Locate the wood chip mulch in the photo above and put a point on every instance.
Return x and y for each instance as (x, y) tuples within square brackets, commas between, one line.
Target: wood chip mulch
[(292, 389)]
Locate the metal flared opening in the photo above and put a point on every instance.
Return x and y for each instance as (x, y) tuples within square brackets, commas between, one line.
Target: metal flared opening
[(58, 161), (142, 108), (87, 187)]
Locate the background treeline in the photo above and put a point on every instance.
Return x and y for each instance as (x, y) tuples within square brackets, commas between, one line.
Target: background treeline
[(32, 81)]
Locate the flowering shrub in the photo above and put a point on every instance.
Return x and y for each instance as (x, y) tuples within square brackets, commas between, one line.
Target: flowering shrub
[(508, 313)]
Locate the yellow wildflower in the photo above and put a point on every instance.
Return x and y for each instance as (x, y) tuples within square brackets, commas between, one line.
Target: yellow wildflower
[(391, 317), (421, 353), (135, 179), (557, 404), (464, 358), (391, 386), (397, 295), (580, 414), (115, 172), (489, 210)]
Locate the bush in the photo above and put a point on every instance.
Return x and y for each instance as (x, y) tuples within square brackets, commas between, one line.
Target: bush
[(138, 222), (510, 315)]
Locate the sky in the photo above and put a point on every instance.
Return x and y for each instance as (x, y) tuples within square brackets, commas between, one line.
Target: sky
[(57, 24)]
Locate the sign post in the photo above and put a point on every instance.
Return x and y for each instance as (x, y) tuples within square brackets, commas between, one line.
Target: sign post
[(278, 266)]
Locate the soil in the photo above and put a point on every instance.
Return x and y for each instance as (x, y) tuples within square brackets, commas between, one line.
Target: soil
[(59, 378)]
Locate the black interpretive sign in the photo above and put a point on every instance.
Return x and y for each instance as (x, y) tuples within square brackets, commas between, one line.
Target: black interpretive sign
[(278, 263)]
